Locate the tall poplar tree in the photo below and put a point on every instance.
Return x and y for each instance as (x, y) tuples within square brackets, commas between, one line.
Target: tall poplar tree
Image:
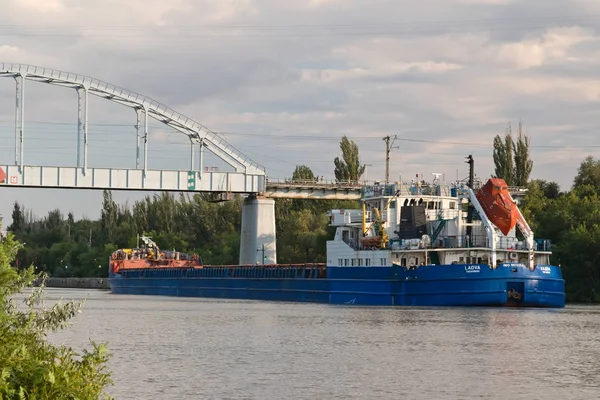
[(348, 168), (108, 217), (523, 162), (503, 156)]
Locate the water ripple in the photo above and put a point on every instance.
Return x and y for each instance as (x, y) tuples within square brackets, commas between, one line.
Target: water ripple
[(169, 348)]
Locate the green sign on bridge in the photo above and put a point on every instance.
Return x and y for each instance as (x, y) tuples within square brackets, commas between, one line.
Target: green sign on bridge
[(191, 180)]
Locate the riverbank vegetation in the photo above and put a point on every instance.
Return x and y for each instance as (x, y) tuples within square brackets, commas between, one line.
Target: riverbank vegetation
[(61, 246), (31, 367)]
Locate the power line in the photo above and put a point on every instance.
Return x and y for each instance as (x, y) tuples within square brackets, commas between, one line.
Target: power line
[(300, 137), (411, 22), (301, 30)]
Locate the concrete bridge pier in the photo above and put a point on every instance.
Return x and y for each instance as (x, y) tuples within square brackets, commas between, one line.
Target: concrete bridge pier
[(257, 241)]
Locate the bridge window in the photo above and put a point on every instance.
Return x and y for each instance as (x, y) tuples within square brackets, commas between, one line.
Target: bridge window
[(340, 261), (384, 261), (345, 262), (367, 261)]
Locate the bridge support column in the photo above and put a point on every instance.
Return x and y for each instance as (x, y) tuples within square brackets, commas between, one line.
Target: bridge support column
[(138, 128), (145, 140), (201, 158), (257, 242), (82, 126), (19, 120)]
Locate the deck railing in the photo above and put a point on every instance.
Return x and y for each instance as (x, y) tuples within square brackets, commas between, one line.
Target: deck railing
[(466, 241)]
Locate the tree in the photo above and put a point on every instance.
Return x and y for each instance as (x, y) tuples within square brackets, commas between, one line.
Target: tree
[(348, 168), (303, 237), (503, 156), (108, 216), (18, 219), (588, 173), (523, 163), (304, 173), (30, 367), (70, 223), (550, 190), (513, 162)]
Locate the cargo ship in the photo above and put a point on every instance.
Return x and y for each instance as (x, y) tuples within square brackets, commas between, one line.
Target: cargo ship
[(411, 244)]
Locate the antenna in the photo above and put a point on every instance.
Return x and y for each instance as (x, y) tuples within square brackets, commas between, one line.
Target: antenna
[(388, 147)]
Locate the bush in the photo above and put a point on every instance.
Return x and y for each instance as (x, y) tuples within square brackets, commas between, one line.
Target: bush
[(30, 367)]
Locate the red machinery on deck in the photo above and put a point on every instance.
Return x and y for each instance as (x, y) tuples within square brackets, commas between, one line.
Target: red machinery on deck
[(150, 256)]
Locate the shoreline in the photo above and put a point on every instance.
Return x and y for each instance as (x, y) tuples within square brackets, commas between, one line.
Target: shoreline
[(76, 283)]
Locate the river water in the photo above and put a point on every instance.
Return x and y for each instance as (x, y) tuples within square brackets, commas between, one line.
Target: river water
[(177, 348)]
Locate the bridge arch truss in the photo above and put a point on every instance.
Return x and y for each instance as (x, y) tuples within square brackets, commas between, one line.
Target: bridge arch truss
[(249, 177)]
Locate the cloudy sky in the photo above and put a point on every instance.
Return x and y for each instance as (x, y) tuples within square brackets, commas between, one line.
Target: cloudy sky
[(284, 80)]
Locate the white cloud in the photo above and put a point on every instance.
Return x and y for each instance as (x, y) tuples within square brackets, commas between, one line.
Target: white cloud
[(554, 45), (9, 52), (334, 75), (41, 6)]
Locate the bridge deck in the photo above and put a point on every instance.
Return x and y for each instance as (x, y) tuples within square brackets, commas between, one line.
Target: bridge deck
[(133, 179), (313, 190), (193, 181)]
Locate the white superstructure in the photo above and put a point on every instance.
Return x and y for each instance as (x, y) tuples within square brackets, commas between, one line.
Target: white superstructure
[(426, 224)]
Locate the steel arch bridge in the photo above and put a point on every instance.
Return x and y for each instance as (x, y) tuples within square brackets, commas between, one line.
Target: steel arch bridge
[(249, 176), (258, 214)]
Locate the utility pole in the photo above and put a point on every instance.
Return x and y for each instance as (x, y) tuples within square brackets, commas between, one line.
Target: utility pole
[(388, 147)]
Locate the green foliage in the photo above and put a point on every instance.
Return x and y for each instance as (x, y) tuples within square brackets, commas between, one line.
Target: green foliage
[(523, 163), (348, 168), (572, 221), (512, 162), (304, 235), (303, 173), (503, 157), (18, 219), (30, 367), (550, 189), (108, 217), (588, 174)]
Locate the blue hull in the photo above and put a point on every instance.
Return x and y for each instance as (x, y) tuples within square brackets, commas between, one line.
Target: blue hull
[(442, 285)]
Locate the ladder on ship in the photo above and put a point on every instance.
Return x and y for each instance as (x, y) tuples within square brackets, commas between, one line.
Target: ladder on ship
[(438, 229)]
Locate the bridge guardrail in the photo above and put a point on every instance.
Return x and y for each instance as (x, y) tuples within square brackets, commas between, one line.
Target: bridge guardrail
[(282, 182)]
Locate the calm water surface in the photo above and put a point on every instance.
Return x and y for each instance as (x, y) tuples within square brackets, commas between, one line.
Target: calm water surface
[(174, 348)]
